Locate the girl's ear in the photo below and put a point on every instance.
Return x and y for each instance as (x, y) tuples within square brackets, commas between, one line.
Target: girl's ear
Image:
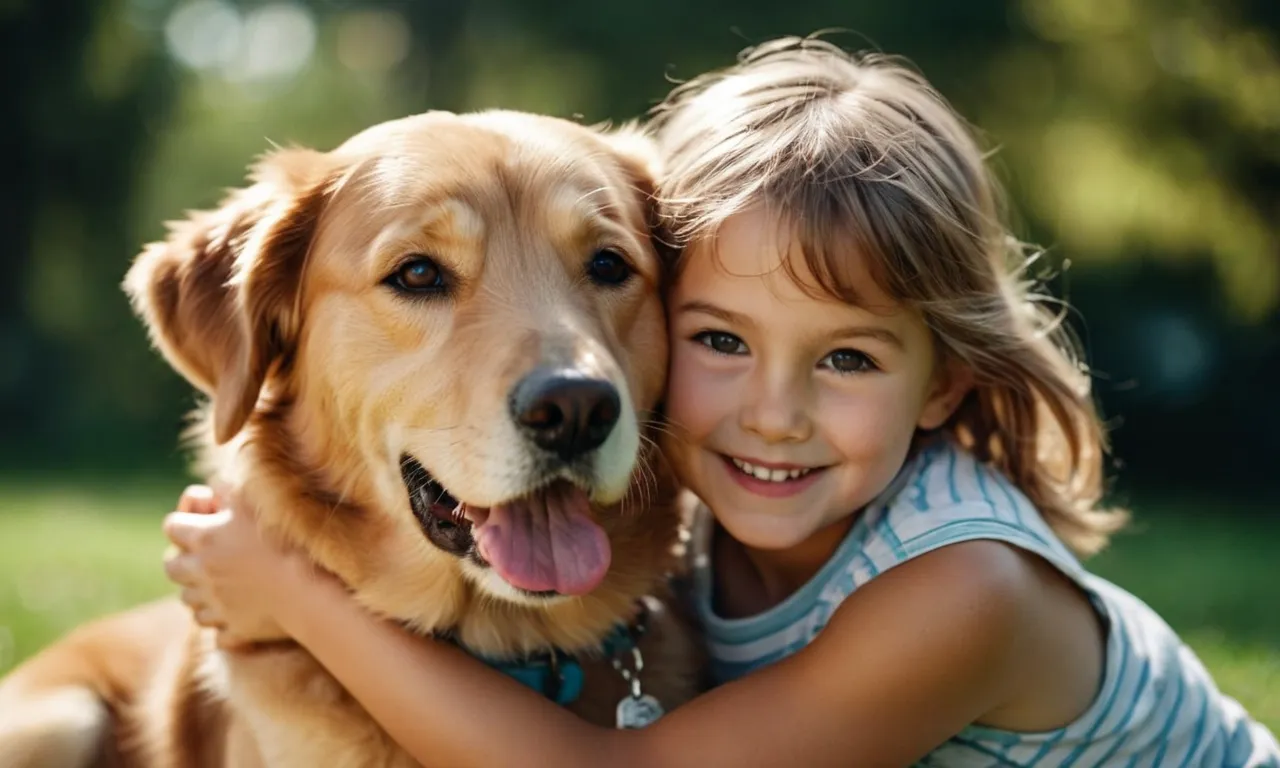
[(952, 381)]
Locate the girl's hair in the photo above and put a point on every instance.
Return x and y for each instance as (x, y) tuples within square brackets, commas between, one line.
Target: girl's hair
[(860, 155)]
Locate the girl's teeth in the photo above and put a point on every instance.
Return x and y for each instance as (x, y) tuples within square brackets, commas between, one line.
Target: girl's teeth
[(770, 475)]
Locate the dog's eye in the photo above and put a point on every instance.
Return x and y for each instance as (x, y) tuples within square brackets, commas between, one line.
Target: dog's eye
[(418, 275), (607, 267)]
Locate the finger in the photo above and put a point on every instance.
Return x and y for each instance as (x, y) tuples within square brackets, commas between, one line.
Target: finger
[(197, 499), (239, 506), (194, 598), (189, 530), (208, 617), (182, 569), (229, 641), (224, 495)]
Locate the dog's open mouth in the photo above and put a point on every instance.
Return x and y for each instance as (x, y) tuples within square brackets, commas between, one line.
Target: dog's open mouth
[(544, 543), (440, 514)]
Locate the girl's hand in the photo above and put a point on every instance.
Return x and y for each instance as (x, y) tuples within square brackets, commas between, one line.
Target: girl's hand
[(231, 578)]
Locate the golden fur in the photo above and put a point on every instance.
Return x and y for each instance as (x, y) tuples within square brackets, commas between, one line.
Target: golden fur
[(320, 378)]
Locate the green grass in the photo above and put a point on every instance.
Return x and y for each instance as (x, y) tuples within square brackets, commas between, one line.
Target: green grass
[(1211, 571), (67, 555)]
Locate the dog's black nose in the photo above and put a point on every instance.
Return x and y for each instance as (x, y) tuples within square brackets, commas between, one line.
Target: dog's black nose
[(564, 411)]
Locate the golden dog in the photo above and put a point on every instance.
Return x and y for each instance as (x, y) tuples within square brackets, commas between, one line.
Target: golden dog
[(432, 357)]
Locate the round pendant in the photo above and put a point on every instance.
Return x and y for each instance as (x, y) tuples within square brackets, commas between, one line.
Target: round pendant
[(637, 712)]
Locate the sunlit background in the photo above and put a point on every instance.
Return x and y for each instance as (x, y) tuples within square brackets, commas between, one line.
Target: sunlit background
[(1139, 141)]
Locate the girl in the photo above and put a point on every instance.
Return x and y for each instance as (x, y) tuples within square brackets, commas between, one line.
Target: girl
[(897, 455)]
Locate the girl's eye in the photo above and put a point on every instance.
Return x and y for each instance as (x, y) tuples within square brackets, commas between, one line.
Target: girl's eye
[(849, 361), (721, 342)]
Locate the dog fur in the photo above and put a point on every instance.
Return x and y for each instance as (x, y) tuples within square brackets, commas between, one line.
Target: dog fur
[(321, 379)]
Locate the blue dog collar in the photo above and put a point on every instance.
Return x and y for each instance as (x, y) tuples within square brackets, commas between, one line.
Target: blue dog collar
[(558, 675)]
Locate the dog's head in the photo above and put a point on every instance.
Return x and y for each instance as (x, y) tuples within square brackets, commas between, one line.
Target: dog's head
[(446, 334)]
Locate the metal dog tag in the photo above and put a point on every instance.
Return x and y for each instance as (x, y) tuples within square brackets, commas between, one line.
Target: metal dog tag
[(638, 711)]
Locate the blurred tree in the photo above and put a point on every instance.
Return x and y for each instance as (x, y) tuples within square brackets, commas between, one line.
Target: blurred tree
[(1140, 130), (83, 93)]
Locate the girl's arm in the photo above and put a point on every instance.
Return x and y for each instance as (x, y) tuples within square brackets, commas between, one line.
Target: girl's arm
[(906, 662), (895, 673)]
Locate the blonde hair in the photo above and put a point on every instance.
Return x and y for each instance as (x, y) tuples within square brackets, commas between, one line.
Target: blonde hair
[(861, 155)]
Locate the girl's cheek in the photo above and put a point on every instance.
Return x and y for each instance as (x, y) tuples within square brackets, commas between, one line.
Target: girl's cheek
[(683, 383), (696, 392), (866, 419)]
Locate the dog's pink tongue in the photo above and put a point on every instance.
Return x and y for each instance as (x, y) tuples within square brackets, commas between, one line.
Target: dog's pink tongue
[(546, 543)]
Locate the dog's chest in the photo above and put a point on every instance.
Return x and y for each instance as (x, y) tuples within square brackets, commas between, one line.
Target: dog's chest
[(285, 747), (300, 716)]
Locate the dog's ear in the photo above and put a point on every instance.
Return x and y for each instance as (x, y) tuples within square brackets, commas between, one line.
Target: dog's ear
[(219, 294), (639, 157)]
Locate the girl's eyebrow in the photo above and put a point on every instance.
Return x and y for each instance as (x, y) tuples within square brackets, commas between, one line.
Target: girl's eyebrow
[(869, 332), (720, 313)]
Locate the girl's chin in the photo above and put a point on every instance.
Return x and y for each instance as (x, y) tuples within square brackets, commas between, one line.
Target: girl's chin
[(766, 533)]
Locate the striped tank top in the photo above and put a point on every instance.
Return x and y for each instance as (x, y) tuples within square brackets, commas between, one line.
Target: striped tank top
[(1157, 705)]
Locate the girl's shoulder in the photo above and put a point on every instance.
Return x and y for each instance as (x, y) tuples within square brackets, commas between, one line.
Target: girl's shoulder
[(945, 495)]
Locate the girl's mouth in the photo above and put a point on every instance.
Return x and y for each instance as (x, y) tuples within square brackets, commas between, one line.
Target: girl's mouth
[(771, 480)]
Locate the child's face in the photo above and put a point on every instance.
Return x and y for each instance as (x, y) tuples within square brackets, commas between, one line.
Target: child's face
[(792, 411)]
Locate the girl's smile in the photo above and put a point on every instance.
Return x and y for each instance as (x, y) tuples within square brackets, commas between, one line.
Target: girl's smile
[(773, 481)]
